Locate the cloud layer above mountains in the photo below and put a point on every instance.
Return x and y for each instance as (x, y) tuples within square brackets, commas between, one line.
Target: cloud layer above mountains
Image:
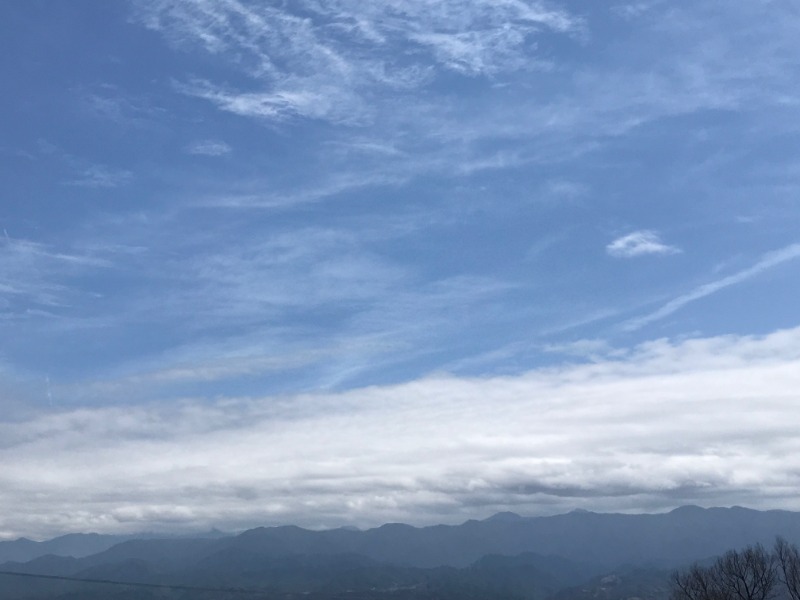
[(700, 421)]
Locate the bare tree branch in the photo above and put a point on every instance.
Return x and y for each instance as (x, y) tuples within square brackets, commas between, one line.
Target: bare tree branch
[(749, 574), (788, 559)]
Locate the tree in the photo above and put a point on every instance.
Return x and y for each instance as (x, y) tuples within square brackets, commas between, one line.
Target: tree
[(698, 583), (749, 574), (788, 559)]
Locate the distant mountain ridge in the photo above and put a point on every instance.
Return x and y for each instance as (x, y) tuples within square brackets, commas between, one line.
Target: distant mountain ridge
[(73, 544), (686, 533), (76, 545), (539, 557)]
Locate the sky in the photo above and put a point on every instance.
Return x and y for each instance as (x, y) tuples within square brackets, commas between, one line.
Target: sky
[(335, 262)]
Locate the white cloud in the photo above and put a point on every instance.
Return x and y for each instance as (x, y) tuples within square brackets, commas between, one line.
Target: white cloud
[(639, 243), (565, 189), (330, 66), (483, 35), (109, 102), (100, 176), (635, 10), (33, 275), (653, 85), (341, 66), (479, 52), (709, 421), (768, 261), (590, 349), (209, 148), (323, 102), (322, 189)]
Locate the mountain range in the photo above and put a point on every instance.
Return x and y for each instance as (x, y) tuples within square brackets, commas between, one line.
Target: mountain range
[(575, 555)]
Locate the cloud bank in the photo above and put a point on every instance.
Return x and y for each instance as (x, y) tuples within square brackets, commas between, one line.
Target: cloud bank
[(661, 425)]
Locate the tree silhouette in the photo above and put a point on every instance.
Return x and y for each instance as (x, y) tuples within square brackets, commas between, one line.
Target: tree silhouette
[(788, 559), (749, 574)]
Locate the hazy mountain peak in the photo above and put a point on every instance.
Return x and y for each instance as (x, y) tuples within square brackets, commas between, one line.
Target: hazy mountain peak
[(504, 516), (687, 509)]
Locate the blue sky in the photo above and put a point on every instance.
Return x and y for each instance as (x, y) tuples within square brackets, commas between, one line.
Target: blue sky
[(233, 220)]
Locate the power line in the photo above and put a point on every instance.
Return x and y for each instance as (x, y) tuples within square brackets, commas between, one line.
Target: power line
[(163, 586)]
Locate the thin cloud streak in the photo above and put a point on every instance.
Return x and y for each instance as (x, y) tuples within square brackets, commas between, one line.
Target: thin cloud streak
[(767, 262), (34, 275), (100, 176), (209, 148)]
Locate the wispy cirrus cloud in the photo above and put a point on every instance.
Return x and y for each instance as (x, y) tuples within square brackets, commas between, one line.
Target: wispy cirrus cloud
[(114, 104), (33, 275), (478, 36), (485, 38), (363, 64), (768, 261), (633, 10), (322, 102), (661, 424), (639, 243), (334, 186), (101, 176), (331, 65)]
